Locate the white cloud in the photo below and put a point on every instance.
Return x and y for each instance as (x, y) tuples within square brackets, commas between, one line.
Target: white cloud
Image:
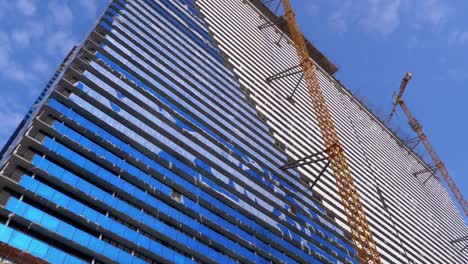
[(15, 72), (11, 113), (10, 120), (341, 17), (9, 68), (382, 16), (5, 49), (21, 37), (61, 14), (60, 42), (36, 27), (463, 37), (457, 74), (89, 6), (26, 7), (40, 65), (434, 12), (458, 37), (413, 42), (311, 9)]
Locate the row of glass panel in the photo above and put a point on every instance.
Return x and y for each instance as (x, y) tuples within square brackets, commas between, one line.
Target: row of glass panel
[(160, 42), (328, 224), (191, 8), (321, 219), (266, 194), (118, 228), (165, 101), (184, 14), (187, 19), (154, 21), (70, 232), (102, 99), (217, 137), (163, 188), (210, 48), (114, 107), (194, 74), (148, 161), (160, 36), (188, 186), (197, 161), (170, 78), (141, 194), (35, 247), (325, 222)]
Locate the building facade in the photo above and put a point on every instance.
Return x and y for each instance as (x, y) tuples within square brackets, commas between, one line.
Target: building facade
[(413, 218), (144, 148)]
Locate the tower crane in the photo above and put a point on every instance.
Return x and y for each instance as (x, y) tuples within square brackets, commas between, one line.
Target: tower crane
[(416, 126), (357, 220)]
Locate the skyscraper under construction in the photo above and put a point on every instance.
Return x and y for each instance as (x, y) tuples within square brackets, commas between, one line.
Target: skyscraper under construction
[(161, 138)]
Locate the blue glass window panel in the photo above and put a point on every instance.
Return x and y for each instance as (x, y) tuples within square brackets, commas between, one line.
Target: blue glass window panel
[(5, 233), (38, 249), (19, 240), (34, 247)]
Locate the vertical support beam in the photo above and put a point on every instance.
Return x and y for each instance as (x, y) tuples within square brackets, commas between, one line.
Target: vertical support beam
[(430, 176), (310, 160), (320, 175), (277, 22), (283, 74), (306, 160), (290, 97)]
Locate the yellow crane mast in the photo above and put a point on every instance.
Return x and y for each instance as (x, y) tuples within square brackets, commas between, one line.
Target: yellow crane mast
[(416, 126), (357, 221)]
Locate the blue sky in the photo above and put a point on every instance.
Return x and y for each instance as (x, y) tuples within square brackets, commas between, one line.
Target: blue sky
[(35, 36), (373, 42)]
